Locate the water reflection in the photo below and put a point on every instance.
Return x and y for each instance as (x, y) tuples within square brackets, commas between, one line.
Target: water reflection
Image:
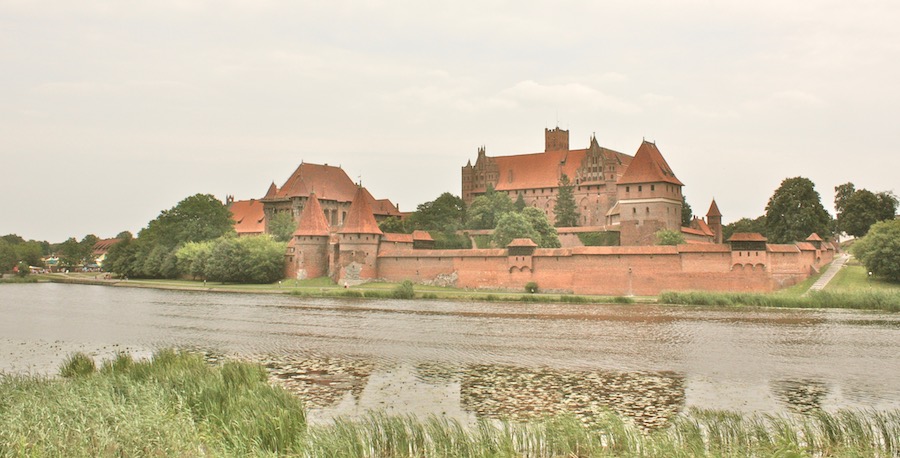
[(516, 393), (800, 396)]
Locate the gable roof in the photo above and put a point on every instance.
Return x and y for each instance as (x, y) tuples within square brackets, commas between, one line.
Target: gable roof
[(522, 242), (360, 219), (543, 170), (312, 219), (248, 216), (102, 246), (713, 209), (814, 238), (327, 181), (649, 166), (746, 237), (701, 226), (397, 238)]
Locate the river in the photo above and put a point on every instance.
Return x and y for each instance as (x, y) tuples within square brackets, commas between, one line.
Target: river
[(468, 359)]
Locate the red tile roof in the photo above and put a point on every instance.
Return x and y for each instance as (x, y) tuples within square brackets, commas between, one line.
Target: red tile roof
[(102, 246), (772, 248), (746, 237), (312, 219), (421, 235), (713, 209), (814, 238), (522, 242), (360, 219), (397, 238), (806, 246), (328, 182), (701, 226), (649, 166), (271, 192), (692, 231), (543, 170), (248, 216)]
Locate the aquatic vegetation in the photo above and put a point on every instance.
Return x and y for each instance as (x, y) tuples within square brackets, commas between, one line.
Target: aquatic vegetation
[(178, 404), (866, 299)]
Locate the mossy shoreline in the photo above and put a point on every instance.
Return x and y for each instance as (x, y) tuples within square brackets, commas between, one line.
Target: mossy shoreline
[(178, 404)]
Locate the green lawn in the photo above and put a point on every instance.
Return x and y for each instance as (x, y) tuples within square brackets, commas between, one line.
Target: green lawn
[(853, 277)]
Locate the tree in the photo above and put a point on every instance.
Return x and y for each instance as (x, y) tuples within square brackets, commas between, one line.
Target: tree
[(795, 211), (520, 202), (565, 209), (30, 252), (193, 257), (669, 237), (282, 226), (547, 236), (757, 225), (87, 248), (258, 259), (71, 253), (859, 209), (447, 213), (687, 215), (513, 225), (195, 219), (879, 250), (486, 210), (394, 225), (7, 256), (125, 235), (22, 269)]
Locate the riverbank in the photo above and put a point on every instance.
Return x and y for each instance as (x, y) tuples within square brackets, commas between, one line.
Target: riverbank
[(177, 404), (850, 288)]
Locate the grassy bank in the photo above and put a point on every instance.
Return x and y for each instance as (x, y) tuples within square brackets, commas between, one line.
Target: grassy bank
[(177, 405), (887, 300)]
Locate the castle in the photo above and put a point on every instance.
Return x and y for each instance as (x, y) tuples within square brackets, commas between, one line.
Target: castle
[(635, 196)]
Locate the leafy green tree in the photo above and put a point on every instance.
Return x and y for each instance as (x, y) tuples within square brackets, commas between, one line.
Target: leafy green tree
[(485, 211), (193, 257), (87, 248), (795, 211), (686, 213), (8, 256), (879, 250), (757, 225), (859, 209), (122, 258), (125, 235), (394, 225), (669, 237), (565, 209), (447, 213), (282, 226), (547, 236), (71, 253), (194, 219), (513, 225), (258, 259), (520, 202), (22, 269), (30, 252), (12, 239)]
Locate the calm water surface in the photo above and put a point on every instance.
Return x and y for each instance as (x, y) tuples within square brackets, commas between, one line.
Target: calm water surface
[(470, 360)]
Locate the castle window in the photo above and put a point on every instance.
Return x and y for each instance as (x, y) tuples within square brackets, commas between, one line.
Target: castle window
[(640, 188), (653, 187), (627, 188), (648, 210), (634, 211)]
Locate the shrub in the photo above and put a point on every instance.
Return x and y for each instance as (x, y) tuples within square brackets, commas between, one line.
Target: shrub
[(404, 290), (23, 269), (77, 365), (531, 287), (429, 296), (491, 298), (599, 238), (623, 300)]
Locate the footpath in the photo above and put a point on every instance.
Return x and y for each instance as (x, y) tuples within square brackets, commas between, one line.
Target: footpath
[(830, 273)]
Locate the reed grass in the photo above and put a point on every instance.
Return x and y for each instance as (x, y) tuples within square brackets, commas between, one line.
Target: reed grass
[(885, 300), (178, 405)]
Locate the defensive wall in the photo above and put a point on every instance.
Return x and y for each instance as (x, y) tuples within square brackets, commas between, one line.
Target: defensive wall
[(638, 270)]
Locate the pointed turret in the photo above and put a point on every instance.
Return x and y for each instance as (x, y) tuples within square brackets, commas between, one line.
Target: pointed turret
[(360, 219), (270, 194), (714, 219), (312, 219)]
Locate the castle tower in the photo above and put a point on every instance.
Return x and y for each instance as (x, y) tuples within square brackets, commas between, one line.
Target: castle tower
[(714, 220), (310, 242), (649, 197), (358, 243), (556, 139)]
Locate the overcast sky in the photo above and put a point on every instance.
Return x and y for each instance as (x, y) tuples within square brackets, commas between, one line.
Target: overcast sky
[(113, 111)]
